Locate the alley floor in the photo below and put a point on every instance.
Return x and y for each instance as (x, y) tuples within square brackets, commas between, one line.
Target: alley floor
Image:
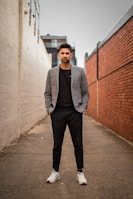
[(108, 162)]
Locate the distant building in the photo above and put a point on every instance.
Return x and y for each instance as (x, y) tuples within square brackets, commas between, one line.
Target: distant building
[(52, 43)]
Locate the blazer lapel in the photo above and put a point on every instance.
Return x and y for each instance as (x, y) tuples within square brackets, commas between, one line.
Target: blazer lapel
[(57, 76), (72, 75)]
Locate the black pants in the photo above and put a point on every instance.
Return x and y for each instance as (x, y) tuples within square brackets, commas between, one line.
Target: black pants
[(60, 118)]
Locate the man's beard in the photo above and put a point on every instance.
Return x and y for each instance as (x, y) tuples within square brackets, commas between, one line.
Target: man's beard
[(65, 61)]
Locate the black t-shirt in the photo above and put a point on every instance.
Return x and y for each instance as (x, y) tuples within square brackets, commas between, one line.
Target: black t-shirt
[(64, 96)]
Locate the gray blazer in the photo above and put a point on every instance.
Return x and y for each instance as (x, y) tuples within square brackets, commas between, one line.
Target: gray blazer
[(79, 89)]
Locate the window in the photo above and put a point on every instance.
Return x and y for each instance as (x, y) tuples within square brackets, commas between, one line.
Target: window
[(54, 43)]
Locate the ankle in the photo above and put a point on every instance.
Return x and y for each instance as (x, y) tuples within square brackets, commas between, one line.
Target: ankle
[(57, 170), (80, 170)]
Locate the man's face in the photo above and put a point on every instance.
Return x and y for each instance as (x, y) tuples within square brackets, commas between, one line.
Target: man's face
[(65, 55)]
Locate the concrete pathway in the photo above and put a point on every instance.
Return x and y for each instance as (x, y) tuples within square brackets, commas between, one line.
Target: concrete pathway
[(26, 164)]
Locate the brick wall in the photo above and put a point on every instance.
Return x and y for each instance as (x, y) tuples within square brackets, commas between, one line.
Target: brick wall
[(111, 101), (23, 67)]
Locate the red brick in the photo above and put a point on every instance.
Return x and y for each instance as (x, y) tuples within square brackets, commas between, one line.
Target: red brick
[(115, 90)]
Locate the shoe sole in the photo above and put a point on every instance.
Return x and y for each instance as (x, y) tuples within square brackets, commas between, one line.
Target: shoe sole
[(52, 182), (84, 183)]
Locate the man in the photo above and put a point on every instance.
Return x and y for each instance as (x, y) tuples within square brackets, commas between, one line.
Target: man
[(66, 99)]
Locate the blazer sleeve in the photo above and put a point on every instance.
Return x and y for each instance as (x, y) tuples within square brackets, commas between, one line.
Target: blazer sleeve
[(47, 93), (84, 90)]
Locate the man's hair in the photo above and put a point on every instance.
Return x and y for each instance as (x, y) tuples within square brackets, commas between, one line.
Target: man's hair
[(65, 45)]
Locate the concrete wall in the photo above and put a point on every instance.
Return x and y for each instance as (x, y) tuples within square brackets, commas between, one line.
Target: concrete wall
[(23, 67), (111, 101)]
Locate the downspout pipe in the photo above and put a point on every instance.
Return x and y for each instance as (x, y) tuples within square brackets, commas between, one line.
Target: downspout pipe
[(97, 61), (97, 77)]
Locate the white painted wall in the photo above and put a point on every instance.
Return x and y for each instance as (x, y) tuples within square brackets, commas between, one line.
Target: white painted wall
[(23, 68)]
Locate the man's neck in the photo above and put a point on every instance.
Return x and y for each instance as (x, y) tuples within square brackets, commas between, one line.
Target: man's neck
[(64, 66)]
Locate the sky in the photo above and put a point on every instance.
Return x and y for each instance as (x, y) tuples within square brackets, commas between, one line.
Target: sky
[(84, 22)]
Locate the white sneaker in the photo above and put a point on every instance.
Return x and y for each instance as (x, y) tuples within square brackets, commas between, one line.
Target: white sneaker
[(81, 178), (55, 175)]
